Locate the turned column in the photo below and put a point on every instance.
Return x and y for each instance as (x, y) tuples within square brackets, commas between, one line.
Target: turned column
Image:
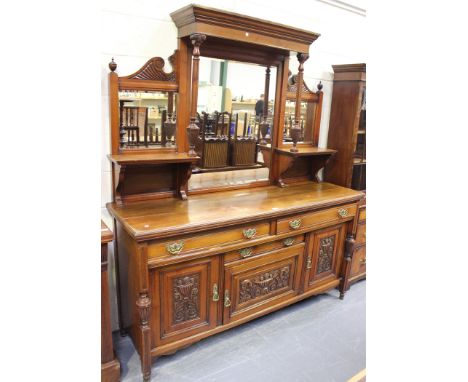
[(295, 130), (193, 130), (349, 250), (144, 307), (263, 126)]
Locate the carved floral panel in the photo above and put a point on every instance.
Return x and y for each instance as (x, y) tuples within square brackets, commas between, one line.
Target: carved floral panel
[(186, 298), (325, 257), (264, 284)]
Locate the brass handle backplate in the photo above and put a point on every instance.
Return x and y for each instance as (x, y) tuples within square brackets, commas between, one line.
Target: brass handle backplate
[(295, 224), (288, 241), (175, 248), (309, 262), (227, 300), (215, 293), (343, 212), (246, 252), (249, 233)]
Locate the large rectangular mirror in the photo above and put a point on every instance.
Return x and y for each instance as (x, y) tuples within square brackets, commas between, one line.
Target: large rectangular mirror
[(233, 119)]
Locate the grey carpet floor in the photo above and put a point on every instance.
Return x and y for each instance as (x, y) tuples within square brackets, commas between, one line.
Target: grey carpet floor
[(321, 339)]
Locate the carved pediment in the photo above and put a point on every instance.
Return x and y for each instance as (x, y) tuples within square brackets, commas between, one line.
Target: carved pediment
[(153, 70), (292, 85)]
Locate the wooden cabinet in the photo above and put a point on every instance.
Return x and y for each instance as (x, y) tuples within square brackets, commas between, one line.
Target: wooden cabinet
[(253, 285), (325, 253), (347, 127), (186, 299)]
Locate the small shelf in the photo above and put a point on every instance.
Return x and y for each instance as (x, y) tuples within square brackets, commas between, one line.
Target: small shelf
[(152, 158), (305, 151)]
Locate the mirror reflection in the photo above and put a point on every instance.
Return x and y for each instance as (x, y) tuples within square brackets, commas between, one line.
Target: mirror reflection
[(147, 119), (234, 119), (306, 120)]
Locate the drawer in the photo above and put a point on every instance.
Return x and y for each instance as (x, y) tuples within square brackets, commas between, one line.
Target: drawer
[(361, 233), (331, 215), (262, 248), (186, 244)]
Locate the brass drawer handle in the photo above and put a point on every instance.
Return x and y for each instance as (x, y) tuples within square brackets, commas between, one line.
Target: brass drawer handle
[(246, 252), (289, 241), (295, 224), (227, 300), (363, 261), (215, 293), (175, 248), (309, 262), (343, 212), (249, 233)]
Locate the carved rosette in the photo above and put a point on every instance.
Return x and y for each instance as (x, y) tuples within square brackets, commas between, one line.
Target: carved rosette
[(325, 257), (144, 308), (264, 284), (186, 298)]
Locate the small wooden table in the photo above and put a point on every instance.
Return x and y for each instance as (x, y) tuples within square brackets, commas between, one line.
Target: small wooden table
[(110, 366)]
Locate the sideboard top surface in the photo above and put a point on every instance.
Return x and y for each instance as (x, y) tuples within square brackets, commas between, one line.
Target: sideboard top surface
[(166, 217)]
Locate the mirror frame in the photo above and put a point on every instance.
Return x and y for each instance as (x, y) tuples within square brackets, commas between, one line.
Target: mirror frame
[(150, 77), (309, 97)]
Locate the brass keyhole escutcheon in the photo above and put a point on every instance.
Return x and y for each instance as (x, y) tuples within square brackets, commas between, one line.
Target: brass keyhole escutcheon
[(227, 300), (215, 293)]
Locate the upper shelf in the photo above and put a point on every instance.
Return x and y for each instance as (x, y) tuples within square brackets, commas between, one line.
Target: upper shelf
[(152, 158)]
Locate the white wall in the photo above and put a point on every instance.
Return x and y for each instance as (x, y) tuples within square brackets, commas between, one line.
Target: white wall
[(134, 31)]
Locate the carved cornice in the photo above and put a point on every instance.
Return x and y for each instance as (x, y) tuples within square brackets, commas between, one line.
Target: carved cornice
[(196, 14)]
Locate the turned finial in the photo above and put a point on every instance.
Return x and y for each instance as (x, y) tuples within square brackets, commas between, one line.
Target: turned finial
[(320, 86), (112, 65)]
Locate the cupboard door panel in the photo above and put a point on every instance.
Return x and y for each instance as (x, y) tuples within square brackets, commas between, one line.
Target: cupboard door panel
[(259, 283), (324, 256), (185, 302)]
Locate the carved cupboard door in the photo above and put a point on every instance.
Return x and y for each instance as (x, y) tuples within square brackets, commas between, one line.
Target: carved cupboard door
[(254, 285), (185, 299), (324, 257)]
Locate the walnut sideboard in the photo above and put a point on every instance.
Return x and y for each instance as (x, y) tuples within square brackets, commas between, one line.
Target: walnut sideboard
[(191, 269)]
